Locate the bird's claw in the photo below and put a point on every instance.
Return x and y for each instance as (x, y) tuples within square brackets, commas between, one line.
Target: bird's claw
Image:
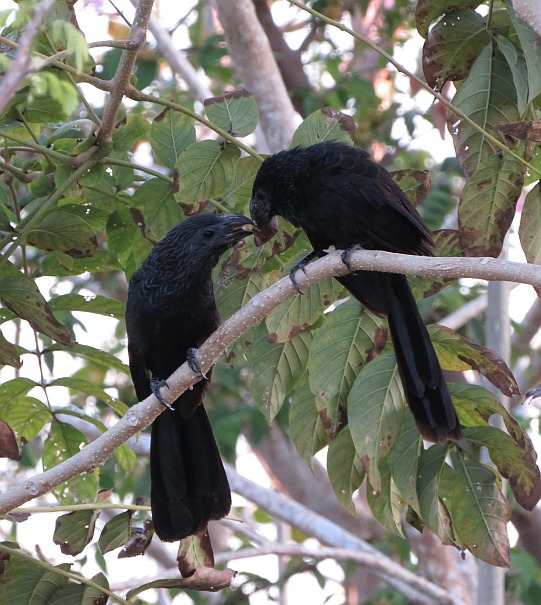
[(155, 385), (298, 267), (193, 363), (346, 257)]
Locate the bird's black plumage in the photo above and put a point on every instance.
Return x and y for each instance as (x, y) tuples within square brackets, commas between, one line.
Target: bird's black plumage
[(342, 198), (171, 309)]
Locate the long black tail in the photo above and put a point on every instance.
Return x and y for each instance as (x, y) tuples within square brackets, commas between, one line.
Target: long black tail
[(422, 378), (189, 484)]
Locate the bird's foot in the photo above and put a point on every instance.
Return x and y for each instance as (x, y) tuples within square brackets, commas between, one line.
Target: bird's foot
[(346, 256), (301, 266), (193, 363), (155, 385)]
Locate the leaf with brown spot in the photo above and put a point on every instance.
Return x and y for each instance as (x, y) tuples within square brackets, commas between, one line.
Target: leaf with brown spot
[(234, 111), (530, 226), (20, 294), (195, 552), (140, 540), (75, 530), (8, 442), (325, 124), (457, 353), (414, 183)]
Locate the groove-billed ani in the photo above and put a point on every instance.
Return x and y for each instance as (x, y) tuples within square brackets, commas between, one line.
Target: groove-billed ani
[(170, 311), (341, 198)]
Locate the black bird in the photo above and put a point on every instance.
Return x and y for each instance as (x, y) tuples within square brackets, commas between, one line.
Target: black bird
[(169, 313), (342, 198)]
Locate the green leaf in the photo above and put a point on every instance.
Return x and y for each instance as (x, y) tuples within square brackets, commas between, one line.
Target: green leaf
[(457, 353), (517, 65), (126, 242), (14, 388), (24, 581), (25, 415), (386, 503), (205, 169), (301, 311), (116, 532), (88, 304), (345, 468), (431, 507), (375, 406), (128, 132), (21, 295), (478, 509), (74, 531), (235, 112), (305, 426), (350, 337), (403, 460), (240, 187), (84, 386), (488, 204), (274, 368), (65, 231), (9, 353), (529, 41), (513, 461), (126, 458), (488, 97), (170, 134), (414, 183), (452, 46), (92, 354), (427, 11), (63, 442), (325, 124), (159, 211), (530, 226)]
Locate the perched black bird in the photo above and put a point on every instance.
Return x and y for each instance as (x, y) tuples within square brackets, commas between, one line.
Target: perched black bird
[(341, 198), (170, 311)]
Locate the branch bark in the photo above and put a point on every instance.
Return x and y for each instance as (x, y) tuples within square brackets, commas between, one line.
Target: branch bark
[(254, 61)]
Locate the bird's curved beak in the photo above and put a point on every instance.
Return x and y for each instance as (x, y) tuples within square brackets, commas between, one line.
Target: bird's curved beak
[(237, 226)]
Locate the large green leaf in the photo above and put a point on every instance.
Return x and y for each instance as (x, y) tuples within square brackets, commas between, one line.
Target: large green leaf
[(530, 226), (431, 508), (488, 97), (427, 11), (478, 509), (63, 442), (25, 415), (235, 112), (302, 310), (126, 242), (116, 532), (325, 124), (517, 65), (21, 295), (128, 132), (89, 304), (345, 468), (386, 503), (457, 353), (348, 339), (75, 530), (375, 406), (92, 354), (159, 210), (275, 367), (239, 190), (171, 132), (84, 386), (488, 204), (452, 46), (204, 171), (305, 425)]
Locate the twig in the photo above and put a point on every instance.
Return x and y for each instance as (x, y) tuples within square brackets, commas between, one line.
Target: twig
[(19, 66)]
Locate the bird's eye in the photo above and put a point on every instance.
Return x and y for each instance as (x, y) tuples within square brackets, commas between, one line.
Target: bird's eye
[(208, 233)]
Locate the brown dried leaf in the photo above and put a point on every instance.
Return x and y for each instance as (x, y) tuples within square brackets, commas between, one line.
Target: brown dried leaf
[(8, 443)]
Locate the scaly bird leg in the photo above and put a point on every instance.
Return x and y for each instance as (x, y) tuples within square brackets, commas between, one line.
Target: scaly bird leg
[(155, 385), (346, 256), (193, 363), (301, 266)]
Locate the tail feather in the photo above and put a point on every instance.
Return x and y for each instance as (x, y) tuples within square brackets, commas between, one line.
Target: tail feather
[(189, 484), (422, 378)]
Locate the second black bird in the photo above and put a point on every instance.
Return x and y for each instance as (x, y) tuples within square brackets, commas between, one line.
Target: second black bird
[(171, 311), (341, 198)]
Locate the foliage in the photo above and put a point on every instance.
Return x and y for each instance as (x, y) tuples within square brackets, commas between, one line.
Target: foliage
[(318, 365)]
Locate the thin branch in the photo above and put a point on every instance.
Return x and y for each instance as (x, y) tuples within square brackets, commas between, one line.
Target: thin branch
[(121, 81), (417, 590), (20, 65)]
